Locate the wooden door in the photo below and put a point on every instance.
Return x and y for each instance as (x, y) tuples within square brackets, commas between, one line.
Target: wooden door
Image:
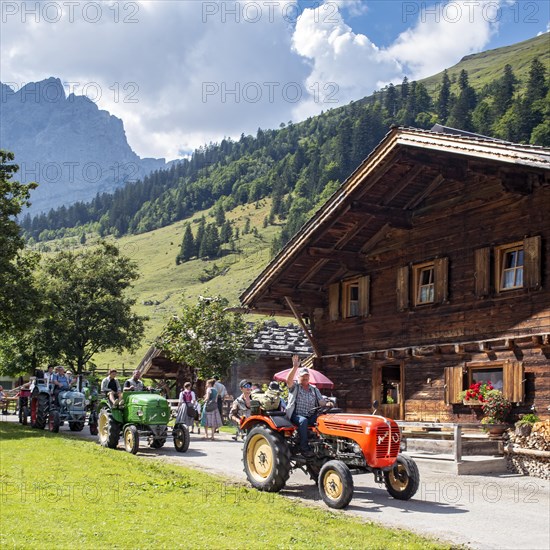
[(388, 388)]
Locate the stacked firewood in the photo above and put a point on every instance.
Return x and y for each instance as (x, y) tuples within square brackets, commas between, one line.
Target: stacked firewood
[(528, 451)]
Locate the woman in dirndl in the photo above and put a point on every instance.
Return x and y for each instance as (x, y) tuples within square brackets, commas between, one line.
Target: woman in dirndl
[(211, 417), (187, 406)]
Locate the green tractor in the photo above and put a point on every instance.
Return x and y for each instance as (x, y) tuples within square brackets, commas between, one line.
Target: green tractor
[(140, 414)]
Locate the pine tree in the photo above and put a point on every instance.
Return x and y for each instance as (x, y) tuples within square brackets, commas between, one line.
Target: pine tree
[(390, 100), (504, 91), (404, 91), (536, 85), (226, 232), (444, 98), (461, 113), (219, 215), (199, 237), (187, 249)]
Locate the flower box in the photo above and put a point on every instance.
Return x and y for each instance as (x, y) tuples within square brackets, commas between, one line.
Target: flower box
[(472, 402)]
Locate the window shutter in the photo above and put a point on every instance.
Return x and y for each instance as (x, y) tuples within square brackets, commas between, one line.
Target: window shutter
[(441, 280), (482, 273), (402, 288), (333, 301), (531, 262), (514, 381), (364, 295), (453, 384)]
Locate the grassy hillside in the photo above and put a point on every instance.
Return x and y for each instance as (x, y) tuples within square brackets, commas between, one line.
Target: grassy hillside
[(163, 285), (483, 68)]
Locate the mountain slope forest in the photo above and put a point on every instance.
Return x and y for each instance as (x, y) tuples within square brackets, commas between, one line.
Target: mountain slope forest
[(299, 165)]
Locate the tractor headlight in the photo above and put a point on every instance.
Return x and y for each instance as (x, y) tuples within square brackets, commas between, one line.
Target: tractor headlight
[(68, 401), (140, 412), (87, 401)]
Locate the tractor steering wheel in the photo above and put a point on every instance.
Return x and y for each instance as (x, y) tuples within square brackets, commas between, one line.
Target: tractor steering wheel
[(316, 411)]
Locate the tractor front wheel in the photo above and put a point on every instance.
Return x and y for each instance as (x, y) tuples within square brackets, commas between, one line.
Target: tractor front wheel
[(108, 429), (266, 458), (181, 438), (403, 479), (131, 439), (335, 484)]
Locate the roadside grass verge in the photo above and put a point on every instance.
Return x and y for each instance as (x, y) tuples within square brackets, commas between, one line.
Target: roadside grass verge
[(61, 492)]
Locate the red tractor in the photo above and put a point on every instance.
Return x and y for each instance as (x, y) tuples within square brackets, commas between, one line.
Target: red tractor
[(342, 444)]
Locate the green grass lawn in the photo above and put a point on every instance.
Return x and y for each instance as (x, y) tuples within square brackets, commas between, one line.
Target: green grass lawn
[(61, 492)]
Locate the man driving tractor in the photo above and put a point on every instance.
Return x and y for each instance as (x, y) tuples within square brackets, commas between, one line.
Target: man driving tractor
[(302, 397)]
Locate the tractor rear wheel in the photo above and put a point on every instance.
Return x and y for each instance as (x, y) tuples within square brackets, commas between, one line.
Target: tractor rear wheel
[(131, 439), (54, 421), (40, 408), (403, 479), (181, 438), (76, 426), (108, 429), (266, 458), (335, 484)]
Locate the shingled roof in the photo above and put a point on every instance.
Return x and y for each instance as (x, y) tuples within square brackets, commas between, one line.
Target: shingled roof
[(280, 341)]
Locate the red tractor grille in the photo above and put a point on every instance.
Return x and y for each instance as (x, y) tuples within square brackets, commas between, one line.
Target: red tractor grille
[(387, 443), (331, 425)]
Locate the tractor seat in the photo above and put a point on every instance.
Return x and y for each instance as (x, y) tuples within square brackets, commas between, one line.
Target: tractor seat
[(275, 413)]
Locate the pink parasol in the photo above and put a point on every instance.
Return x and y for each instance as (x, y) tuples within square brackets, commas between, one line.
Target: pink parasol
[(316, 378)]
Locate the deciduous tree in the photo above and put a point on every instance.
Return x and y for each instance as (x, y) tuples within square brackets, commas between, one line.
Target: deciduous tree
[(206, 337)]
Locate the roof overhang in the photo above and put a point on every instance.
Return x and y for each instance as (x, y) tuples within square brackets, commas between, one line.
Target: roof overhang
[(382, 194)]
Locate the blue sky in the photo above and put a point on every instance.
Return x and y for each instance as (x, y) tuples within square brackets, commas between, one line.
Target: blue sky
[(184, 73)]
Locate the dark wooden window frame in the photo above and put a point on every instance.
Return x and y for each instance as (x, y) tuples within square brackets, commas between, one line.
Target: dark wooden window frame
[(407, 289), (339, 298), (418, 271), (459, 378), (488, 278), (500, 256)]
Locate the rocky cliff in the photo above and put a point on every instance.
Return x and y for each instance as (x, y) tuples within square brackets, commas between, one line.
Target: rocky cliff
[(65, 143)]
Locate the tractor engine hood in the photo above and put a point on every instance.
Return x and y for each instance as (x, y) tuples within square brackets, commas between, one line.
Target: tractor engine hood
[(378, 437)]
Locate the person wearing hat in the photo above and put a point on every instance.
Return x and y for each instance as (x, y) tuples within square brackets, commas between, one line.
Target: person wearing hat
[(302, 397), (241, 407)]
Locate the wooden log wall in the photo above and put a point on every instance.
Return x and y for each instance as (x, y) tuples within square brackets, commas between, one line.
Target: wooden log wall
[(485, 216)]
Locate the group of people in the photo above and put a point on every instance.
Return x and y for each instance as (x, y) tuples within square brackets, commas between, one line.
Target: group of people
[(209, 416), (302, 398)]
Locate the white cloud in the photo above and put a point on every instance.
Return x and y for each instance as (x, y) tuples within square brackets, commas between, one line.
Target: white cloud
[(181, 74), (168, 69), (344, 65), (445, 33)]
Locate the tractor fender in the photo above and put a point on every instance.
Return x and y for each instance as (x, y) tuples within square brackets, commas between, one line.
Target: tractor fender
[(118, 415), (276, 423)]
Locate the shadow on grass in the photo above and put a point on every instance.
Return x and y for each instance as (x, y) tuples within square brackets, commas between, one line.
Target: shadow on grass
[(12, 431)]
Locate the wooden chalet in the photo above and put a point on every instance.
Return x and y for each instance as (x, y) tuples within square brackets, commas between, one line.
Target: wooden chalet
[(428, 269)]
